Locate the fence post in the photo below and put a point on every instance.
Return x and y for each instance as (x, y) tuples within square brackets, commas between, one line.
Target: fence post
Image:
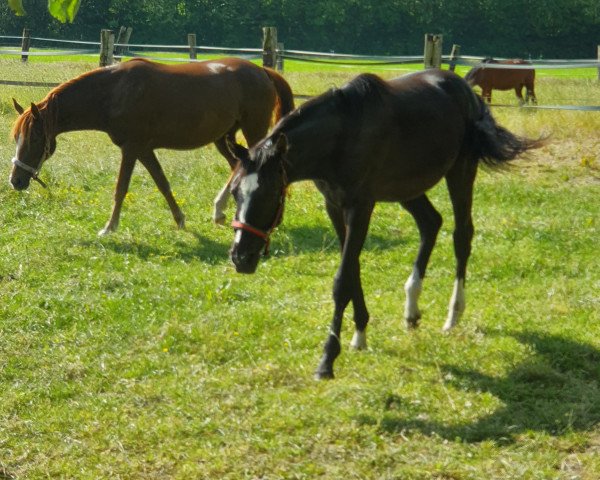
[(432, 57), (269, 46), (192, 44), (122, 41), (107, 46), (454, 54), (279, 61), (25, 44)]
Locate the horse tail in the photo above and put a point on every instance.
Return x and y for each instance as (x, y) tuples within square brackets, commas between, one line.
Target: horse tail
[(493, 144), (285, 97)]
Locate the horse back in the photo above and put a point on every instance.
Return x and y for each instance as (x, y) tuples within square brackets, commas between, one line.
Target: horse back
[(414, 125), (188, 105)]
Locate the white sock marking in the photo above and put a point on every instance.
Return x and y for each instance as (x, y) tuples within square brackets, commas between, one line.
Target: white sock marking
[(220, 203), (457, 304), (413, 287)]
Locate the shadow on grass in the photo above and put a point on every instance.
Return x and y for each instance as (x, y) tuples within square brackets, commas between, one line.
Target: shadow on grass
[(291, 241), (555, 391), (205, 249), (311, 239)]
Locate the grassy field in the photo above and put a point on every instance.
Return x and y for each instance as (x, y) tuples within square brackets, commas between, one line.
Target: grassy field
[(144, 355)]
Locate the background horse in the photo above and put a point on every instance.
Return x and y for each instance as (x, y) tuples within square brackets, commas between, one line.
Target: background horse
[(142, 106), (368, 142), (503, 79)]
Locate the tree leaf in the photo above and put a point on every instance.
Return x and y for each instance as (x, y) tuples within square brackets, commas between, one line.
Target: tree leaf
[(17, 7), (63, 10)]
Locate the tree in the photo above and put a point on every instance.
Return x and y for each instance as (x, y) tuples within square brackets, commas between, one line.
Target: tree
[(63, 10)]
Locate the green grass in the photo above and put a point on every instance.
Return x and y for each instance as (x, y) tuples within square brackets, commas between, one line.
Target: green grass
[(144, 355)]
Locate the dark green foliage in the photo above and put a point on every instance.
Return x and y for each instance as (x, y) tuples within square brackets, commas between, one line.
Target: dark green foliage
[(524, 28)]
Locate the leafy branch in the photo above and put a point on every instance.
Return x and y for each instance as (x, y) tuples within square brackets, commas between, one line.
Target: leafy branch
[(63, 10)]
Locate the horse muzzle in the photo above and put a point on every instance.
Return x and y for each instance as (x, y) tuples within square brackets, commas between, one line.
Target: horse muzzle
[(244, 262), (19, 182)]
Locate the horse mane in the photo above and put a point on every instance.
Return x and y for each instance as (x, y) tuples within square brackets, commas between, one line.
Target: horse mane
[(365, 85), (47, 108), (348, 99)]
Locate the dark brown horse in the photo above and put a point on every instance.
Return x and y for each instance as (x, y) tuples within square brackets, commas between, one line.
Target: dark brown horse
[(374, 141), (142, 106), (503, 78)]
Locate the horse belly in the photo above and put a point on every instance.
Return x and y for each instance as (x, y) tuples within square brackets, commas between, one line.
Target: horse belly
[(413, 168), (507, 79)]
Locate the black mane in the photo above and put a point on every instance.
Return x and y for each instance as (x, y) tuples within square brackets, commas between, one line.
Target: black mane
[(349, 100)]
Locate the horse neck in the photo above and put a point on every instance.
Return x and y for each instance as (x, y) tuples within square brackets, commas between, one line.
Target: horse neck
[(78, 104), (313, 145)]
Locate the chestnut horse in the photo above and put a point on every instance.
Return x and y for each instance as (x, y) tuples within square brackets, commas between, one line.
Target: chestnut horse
[(503, 78), (143, 106), (373, 141)]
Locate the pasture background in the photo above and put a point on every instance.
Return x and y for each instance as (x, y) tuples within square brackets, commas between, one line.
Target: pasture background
[(144, 355)]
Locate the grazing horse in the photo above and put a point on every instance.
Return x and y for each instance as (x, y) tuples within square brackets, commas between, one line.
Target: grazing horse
[(373, 141), (503, 78), (143, 106)]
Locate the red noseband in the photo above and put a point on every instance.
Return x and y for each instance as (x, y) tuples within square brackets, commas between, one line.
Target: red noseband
[(249, 228)]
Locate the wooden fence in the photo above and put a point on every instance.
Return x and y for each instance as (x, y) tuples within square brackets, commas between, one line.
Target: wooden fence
[(113, 48)]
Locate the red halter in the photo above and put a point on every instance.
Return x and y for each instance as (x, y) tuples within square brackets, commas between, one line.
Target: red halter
[(263, 234)]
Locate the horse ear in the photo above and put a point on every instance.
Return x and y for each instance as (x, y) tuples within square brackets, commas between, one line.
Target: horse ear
[(34, 110), (237, 151), (18, 107), (281, 144)]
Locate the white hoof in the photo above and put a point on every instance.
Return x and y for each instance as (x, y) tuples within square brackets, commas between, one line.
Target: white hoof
[(105, 231), (359, 340)]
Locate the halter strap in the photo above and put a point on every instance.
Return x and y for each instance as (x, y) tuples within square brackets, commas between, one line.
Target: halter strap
[(34, 173), (250, 229), (263, 234)]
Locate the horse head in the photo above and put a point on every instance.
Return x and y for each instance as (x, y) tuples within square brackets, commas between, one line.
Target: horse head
[(35, 144), (259, 186)]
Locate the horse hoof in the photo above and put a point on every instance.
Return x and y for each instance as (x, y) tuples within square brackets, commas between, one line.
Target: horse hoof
[(220, 220), (105, 231), (449, 325), (412, 323), (324, 375), (359, 341)]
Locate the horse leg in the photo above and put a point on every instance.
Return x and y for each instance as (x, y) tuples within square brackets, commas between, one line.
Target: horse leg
[(125, 171), (519, 93), (530, 94), (460, 181), (486, 93), (222, 198), (347, 286), (150, 161), (361, 315), (429, 222)]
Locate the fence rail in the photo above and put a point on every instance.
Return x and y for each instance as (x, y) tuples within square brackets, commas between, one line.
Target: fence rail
[(275, 56)]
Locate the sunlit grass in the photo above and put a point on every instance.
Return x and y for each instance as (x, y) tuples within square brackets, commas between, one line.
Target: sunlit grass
[(144, 355)]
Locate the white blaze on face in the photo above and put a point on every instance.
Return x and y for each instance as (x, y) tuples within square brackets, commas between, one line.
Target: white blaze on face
[(248, 185), (19, 145)]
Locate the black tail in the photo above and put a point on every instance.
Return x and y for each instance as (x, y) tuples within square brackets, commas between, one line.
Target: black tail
[(494, 145)]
